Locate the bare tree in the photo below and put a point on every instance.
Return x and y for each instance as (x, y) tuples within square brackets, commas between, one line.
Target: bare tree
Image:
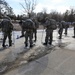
[(29, 6), (44, 10), (4, 7)]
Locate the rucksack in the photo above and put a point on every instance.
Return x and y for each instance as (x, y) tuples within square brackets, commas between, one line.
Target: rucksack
[(36, 24), (63, 24), (28, 24), (51, 23), (6, 25)]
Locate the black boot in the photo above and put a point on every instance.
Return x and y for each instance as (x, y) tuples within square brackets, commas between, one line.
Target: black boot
[(50, 43), (31, 46), (4, 45), (10, 45), (21, 36), (34, 40), (26, 45), (73, 36), (44, 43)]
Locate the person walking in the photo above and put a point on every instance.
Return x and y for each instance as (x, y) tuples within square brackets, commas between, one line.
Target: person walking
[(7, 28), (28, 26), (50, 25)]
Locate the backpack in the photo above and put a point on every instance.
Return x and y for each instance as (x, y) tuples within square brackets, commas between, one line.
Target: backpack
[(36, 24), (28, 24), (6, 25), (63, 24), (51, 23)]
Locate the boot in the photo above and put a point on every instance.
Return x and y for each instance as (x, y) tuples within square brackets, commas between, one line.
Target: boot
[(21, 36), (44, 43), (34, 40), (31, 46), (26, 45), (50, 43), (4, 45), (10, 45), (73, 36)]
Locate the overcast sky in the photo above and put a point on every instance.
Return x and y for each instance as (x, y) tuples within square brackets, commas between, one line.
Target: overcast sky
[(58, 5)]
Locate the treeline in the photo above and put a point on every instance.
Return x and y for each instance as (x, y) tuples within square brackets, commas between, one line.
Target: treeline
[(68, 15)]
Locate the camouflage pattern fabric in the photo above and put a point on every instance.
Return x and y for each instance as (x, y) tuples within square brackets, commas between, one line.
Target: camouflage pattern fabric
[(7, 28)]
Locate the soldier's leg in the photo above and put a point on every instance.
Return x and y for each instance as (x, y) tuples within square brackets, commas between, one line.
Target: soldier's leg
[(22, 32), (26, 39), (51, 38), (35, 34), (10, 40), (66, 31), (61, 31), (4, 39), (74, 31), (60, 37), (31, 39), (46, 39)]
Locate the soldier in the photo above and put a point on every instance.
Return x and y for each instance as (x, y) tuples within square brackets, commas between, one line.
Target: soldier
[(50, 26), (66, 28), (60, 31), (61, 26), (28, 25), (22, 32), (35, 30), (7, 28), (74, 29)]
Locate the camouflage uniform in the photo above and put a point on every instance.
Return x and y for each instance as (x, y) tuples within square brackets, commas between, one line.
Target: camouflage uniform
[(7, 28), (29, 32), (22, 32), (35, 30), (66, 28), (60, 31), (49, 33), (74, 29), (61, 26), (49, 36)]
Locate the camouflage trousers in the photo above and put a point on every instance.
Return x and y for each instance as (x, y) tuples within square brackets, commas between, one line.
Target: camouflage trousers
[(28, 35), (5, 35), (60, 33), (35, 34), (22, 32), (66, 29), (49, 36)]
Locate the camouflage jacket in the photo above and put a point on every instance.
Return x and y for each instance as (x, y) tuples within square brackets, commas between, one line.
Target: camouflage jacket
[(6, 25)]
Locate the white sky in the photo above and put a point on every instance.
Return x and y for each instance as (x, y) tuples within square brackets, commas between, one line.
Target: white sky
[(58, 5)]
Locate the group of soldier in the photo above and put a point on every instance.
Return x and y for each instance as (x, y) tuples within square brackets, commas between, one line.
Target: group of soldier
[(29, 30)]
